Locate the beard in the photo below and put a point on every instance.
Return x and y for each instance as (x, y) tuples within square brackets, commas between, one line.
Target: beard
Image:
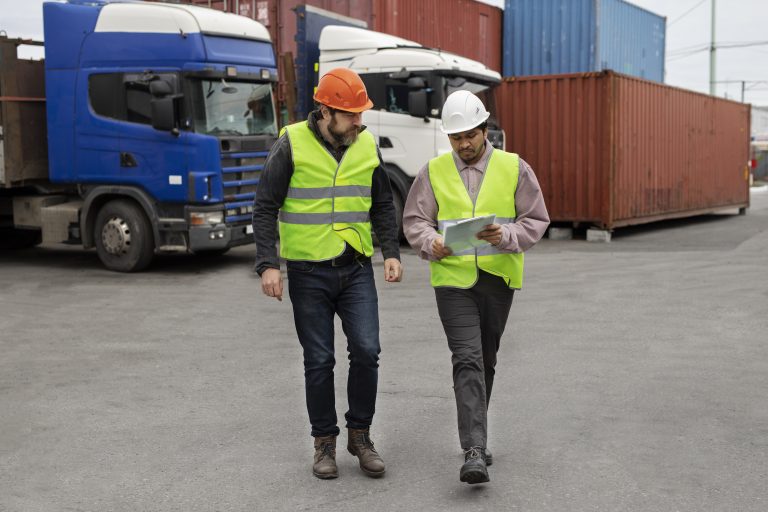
[(345, 138)]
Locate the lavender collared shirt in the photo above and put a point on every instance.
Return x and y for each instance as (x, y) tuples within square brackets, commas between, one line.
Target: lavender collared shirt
[(420, 212)]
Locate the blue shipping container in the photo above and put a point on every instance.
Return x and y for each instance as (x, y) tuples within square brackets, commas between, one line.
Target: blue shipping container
[(550, 37)]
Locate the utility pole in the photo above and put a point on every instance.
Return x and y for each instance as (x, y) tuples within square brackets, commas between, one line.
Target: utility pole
[(712, 55), (743, 83)]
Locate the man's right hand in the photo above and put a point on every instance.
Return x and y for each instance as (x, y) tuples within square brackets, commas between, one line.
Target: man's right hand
[(439, 251), (272, 283)]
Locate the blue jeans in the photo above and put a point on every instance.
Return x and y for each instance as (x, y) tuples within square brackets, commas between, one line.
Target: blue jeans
[(318, 292)]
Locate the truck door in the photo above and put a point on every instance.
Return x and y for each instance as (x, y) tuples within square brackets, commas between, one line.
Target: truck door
[(116, 143), (405, 140)]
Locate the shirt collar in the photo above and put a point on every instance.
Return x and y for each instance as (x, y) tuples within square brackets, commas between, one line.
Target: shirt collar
[(480, 165)]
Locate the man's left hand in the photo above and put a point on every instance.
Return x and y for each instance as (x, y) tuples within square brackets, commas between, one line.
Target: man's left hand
[(491, 234), (393, 270)]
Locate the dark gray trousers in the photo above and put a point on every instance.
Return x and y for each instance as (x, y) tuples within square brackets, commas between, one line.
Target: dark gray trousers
[(474, 320)]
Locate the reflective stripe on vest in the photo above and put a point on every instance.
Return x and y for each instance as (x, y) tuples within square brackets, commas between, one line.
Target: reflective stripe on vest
[(328, 202), (496, 196)]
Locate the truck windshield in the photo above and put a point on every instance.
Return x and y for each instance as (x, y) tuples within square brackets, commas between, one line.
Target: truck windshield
[(482, 91), (233, 108)]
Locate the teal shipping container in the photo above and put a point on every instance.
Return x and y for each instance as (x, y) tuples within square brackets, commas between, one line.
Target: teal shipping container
[(548, 37)]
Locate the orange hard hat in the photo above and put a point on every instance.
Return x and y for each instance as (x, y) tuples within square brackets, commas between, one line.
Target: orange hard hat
[(342, 89)]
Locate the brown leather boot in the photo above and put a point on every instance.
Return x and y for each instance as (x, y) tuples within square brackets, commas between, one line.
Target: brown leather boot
[(360, 445), (325, 458)]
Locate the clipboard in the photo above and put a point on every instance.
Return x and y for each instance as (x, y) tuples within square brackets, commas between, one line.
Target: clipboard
[(461, 235)]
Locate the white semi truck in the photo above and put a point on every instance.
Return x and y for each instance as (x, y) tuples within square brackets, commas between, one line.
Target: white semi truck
[(408, 84)]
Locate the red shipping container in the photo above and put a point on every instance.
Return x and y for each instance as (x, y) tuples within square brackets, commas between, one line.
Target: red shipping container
[(611, 150)]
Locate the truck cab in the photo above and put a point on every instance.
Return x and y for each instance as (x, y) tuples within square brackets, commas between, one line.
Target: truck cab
[(159, 119), (408, 85)]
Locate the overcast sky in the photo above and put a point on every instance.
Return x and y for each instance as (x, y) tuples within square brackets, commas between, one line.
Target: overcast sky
[(688, 29)]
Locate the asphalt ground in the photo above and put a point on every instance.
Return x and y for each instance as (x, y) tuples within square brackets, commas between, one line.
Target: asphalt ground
[(632, 377)]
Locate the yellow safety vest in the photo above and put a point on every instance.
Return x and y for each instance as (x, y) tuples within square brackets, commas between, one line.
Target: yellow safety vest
[(496, 196), (328, 202)]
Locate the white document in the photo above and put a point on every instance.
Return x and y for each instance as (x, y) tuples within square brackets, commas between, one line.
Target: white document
[(462, 235)]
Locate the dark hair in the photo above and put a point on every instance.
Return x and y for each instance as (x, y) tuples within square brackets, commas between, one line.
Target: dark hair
[(481, 126), (330, 109)]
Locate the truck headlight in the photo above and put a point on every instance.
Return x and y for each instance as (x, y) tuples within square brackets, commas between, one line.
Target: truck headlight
[(206, 218)]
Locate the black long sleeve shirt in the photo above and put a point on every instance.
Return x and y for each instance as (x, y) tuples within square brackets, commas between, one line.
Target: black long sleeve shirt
[(273, 189)]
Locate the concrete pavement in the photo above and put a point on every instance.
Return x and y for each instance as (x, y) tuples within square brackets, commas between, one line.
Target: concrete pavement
[(633, 376)]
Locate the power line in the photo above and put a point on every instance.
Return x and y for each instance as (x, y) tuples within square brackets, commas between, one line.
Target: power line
[(721, 44), (681, 53), (684, 14)]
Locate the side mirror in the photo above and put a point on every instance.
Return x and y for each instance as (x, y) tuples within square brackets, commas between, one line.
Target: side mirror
[(416, 82), (164, 114), (160, 88), (417, 103)]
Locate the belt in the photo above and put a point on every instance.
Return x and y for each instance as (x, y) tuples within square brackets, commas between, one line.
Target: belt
[(344, 259)]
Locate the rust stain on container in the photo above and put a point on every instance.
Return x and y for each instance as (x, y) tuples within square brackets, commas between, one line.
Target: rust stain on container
[(613, 150)]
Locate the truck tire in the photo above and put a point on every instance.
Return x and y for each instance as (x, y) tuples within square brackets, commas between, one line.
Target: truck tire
[(11, 238), (123, 236)]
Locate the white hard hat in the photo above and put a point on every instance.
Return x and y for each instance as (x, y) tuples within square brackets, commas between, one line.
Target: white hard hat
[(462, 111)]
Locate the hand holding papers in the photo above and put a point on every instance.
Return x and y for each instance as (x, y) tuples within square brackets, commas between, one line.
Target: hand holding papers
[(462, 235)]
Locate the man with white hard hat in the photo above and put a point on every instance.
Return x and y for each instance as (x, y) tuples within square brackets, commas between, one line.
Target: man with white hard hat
[(474, 287)]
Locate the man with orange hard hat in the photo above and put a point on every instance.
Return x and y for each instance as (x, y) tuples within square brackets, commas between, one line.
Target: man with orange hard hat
[(323, 184)]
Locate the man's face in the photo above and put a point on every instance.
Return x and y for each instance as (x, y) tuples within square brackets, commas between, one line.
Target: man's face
[(344, 126), (469, 145)]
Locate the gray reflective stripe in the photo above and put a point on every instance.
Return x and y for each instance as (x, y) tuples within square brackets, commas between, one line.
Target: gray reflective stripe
[(481, 251), (329, 192), (488, 251), (441, 224), (323, 218)]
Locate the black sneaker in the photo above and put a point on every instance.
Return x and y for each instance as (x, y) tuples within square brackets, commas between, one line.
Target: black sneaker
[(473, 471)]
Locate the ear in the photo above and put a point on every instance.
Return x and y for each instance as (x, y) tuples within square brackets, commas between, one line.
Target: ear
[(325, 112)]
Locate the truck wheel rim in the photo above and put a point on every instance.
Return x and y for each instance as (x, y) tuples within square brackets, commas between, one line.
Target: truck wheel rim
[(116, 236)]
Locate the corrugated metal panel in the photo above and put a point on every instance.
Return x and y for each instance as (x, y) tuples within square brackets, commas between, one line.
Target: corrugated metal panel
[(676, 150), (630, 40), (465, 27), (613, 150), (544, 37), (558, 126)]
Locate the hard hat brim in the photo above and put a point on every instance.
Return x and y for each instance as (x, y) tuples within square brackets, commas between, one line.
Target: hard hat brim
[(464, 128), (355, 110)]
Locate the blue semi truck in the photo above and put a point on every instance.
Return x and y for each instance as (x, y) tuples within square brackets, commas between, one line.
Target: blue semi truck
[(144, 130)]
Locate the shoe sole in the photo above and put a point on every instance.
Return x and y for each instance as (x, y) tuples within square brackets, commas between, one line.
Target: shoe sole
[(372, 474), (474, 477), (326, 476)]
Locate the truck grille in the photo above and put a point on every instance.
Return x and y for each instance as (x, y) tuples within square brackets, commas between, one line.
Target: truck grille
[(241, 173)]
